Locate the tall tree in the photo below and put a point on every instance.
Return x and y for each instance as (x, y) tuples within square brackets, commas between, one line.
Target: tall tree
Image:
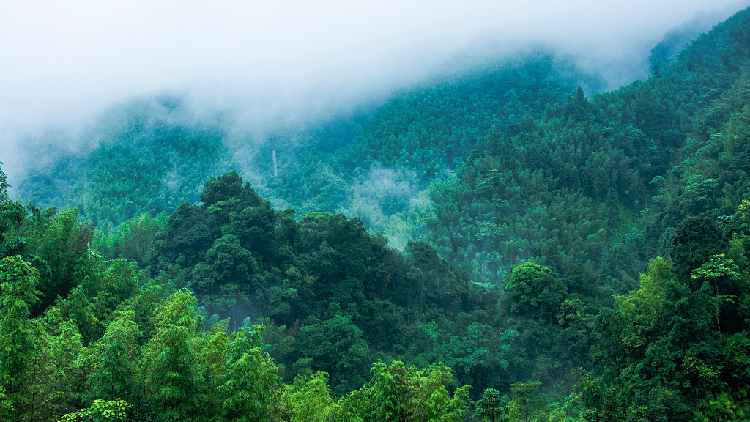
[(171, 371), (251, 381), (18, 280)]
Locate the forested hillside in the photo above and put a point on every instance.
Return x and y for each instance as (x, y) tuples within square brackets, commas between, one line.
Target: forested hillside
[(492, 246)]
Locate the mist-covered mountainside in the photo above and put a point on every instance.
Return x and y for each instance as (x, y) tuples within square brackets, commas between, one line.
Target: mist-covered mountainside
[(494, 168), (567, 257), (424, 130), (145, 156)]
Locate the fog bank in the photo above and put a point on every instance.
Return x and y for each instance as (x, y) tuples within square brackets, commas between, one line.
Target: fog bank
[(278, 62)]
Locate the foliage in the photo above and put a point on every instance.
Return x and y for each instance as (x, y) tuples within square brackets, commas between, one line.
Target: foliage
[(307, 399), (250, 382), (398, 393), (534, 290), (100, 411), (170, 360), (524, 228), (18, 292)]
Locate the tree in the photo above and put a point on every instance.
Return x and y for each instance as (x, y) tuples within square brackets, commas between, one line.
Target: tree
[(535, 291), (60, 375), (226, 264), (336, 346), (171, 370), (308, 399), (65, 249), (400, 393), (115, 356), (100, 411), (18, 280), (12, 214), (528, 398), (490, 406), (696, 239), (718, 276), (185, 238), (251, 380), (222, 188), (641, 309), (3, 185)]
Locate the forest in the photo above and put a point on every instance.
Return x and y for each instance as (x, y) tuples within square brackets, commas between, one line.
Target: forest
[(494, 246)]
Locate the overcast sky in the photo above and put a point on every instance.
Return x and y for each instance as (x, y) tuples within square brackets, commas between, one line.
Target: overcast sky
[(61, 62)]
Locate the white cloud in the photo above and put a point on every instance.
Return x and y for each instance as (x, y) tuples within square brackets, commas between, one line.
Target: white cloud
[(62, 62)]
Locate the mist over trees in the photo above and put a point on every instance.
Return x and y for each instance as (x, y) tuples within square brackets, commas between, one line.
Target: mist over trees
[(500, 245)]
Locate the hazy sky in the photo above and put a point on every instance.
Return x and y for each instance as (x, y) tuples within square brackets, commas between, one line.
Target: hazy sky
[(62, 62)]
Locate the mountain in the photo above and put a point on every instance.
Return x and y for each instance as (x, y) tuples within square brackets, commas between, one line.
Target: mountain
[(568, 256)]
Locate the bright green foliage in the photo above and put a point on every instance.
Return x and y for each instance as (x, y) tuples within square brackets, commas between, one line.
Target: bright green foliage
[(475, 177), (213, 358), (114, 371), (400, 393), (99, 292), (18, 280), (715, 269), (64, 247), (719, 275), (100, 411), (534, 290), (170, 361), (641, 308), (308, 399), (250, 383), (12, 214), (489, 408), (121, 281), (59, 373)]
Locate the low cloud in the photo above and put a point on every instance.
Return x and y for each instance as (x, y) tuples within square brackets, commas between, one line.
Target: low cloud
[(286, 61)]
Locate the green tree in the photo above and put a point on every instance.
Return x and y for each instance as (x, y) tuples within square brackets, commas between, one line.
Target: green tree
[(251, 381), (18, 280), (64, 247), (529, 399), (60, 375), (490, 408), (642, 309), (100, 411), (307, 399), (114, 371), (224, 277), (133, 239), (3, 185), (336, 346), (535, 291), (214, 353), (696, 239), (400, 393), (170, 362), (12, 214), (719, 275)]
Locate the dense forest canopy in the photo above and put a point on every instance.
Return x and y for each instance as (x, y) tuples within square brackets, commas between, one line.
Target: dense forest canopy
[(491, 246)]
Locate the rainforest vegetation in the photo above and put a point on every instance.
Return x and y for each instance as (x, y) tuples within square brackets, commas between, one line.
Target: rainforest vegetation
[(496, 246)]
